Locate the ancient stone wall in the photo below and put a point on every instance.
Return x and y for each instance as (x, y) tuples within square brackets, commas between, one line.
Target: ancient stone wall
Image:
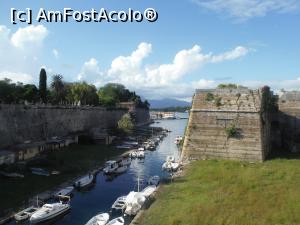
[(287, 121), (214, 112), (19, 123)]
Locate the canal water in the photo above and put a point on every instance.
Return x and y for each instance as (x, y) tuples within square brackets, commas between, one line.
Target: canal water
[(102, 195)]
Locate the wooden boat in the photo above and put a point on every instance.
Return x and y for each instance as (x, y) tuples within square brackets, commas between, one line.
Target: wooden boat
[(119, 204), (25, 214), (100, 219)]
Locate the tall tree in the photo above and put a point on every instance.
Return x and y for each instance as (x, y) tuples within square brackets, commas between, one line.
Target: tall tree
[(43, 85), (58, 92)]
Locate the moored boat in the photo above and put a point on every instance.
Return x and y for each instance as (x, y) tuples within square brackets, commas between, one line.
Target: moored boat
[(67, 191), (134, 202), (117, 221), (110, 167), (100, 219), (154, 180), (84, 181), (148, 191), (49, 211), (25, 214)]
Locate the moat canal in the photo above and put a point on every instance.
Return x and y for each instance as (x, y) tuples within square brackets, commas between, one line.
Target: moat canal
[(100, 197)]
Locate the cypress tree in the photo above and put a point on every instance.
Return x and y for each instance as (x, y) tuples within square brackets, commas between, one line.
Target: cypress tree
[(43, 85)]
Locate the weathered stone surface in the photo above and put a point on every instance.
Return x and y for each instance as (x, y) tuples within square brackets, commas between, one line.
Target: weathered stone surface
[(242, 108), (19, 123)]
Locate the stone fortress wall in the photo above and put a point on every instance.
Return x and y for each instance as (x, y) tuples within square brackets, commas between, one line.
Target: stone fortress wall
[(20, 123), (217, 112)]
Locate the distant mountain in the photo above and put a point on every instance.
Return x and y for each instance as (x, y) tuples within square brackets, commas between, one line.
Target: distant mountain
[(167, 102)]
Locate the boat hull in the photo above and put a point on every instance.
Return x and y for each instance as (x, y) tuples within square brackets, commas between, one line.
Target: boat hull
[(49, 217)]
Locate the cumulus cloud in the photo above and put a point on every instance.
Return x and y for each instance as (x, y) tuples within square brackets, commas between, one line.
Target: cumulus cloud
[(19, 51), (160, 80), (16, 77), (29, 35), (55, 53), (246, 9)]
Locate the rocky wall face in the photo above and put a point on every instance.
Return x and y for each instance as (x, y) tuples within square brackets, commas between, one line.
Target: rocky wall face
[(227, 125), (19, 123)]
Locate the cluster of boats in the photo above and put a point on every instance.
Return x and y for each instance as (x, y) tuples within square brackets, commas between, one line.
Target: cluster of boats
[(128, 205), (170, 164)]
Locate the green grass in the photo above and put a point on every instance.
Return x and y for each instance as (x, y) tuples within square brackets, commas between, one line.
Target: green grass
[(226, 192), (71, 162)]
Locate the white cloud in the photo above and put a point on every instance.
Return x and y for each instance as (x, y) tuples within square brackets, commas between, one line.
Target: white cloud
[(90, 70), (246, 9), (157, 80), (16, 77), (20, 50), (55, 53), (29, 35)]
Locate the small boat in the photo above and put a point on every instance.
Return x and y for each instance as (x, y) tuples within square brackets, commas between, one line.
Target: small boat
[(110, 167), (133, 154), (84, 181), (141, 154), (25, 214), (100, 219), (126, 161), (170, 166), (67, 191), (170, 158), (117, 221), (121, 169), (141, 149), (39, 171), (134, 202), (148, 191), (12, 175), (154, 180), (49, 211), (123, 146), (119, 204)]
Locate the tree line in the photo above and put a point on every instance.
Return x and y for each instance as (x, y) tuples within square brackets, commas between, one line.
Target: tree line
[(60, 92)]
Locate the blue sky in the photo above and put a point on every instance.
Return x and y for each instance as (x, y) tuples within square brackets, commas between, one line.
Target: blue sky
[(193, 44)]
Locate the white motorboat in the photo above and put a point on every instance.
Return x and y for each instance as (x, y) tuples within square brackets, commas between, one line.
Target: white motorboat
[(117, 221), (154, 180), (110, 167), (134, 202), (171, 166), (133, 154), (49, 211), (126, 161), (141, 149), (121, 169), (67, 191), (148, 191), (170, 158), (84, 181), (119, 204), (25, 214), (141, 154), (100, 219)]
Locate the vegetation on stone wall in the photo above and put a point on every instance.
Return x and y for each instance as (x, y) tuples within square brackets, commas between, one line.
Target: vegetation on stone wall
[(231, 131), (125, 124), (229, 86)]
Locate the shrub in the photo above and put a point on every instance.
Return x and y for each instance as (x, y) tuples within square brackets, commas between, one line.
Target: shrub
[(209, 97), (231, 131), (218, 101)]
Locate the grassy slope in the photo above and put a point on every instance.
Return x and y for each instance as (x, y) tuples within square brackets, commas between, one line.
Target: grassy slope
[(224, 192), (71, 161)]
